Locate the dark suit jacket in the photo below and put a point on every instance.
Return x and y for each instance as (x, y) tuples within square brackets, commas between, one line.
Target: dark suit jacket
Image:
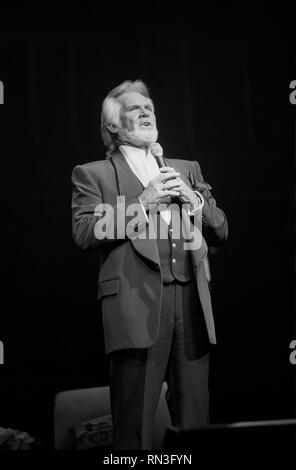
[(130, 281)]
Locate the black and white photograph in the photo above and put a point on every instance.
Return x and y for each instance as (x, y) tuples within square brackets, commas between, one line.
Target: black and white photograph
[(148, 235)]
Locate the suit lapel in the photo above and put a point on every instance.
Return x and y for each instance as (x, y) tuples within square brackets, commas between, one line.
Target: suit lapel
[(131, 187)]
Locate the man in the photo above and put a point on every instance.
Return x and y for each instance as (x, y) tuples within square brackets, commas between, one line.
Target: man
[(153, 290)]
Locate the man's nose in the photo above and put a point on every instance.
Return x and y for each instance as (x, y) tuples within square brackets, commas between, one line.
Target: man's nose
[(144, 112)]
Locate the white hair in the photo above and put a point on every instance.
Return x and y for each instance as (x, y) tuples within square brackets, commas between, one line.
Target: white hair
[(111, 110)]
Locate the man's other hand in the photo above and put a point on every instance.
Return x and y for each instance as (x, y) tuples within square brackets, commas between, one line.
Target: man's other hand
[(159, 188)]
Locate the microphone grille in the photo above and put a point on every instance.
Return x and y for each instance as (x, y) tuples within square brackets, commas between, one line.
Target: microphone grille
[(156, 150)]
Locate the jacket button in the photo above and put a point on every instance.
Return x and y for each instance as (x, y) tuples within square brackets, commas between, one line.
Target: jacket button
[(174, 245), (173, 260)]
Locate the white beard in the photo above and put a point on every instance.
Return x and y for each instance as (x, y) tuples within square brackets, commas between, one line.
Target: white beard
[(138, 137)]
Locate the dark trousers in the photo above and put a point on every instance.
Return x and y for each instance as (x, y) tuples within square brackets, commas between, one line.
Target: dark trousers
[(179, 356)]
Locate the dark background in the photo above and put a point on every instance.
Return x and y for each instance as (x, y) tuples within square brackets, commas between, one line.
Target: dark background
[(220, 84)]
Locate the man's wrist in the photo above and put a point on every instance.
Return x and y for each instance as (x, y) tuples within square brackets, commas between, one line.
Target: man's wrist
[(197, 205)]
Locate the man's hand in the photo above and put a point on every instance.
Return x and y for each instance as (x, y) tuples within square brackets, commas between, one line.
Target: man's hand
[(187, 195), (159, 188)]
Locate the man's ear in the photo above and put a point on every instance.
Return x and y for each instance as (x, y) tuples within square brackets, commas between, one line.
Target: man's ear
[(112, 127)]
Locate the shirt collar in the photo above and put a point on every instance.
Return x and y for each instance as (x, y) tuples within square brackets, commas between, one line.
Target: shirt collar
[(133, 153)]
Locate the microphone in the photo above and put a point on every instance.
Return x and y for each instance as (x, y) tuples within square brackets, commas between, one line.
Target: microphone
[(157, 152)]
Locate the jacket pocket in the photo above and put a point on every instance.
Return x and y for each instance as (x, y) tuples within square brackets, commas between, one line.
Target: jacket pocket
[(109, 287)]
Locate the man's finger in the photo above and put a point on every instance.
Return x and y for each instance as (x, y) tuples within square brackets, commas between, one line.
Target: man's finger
[(169, 192), (171, 184), (170, 175), (164, 169)]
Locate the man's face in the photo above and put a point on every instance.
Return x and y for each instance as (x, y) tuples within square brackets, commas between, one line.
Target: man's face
[(138, 122)]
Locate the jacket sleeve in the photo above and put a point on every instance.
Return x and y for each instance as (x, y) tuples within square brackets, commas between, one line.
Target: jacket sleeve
[(94, 222), (214, 222)]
